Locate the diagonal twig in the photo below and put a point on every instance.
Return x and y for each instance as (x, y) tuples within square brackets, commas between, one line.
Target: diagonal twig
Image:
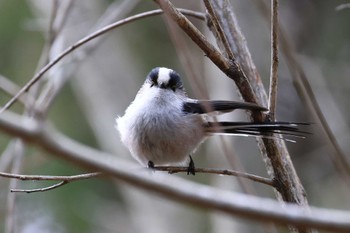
[(64, 180), (51, 187), (219, 30), (274, 61)]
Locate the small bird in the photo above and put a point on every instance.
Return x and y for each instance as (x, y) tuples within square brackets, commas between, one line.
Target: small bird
[(163, 126)]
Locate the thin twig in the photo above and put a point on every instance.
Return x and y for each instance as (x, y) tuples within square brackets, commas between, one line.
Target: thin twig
[(274, 60), (84, 41), (39, 189), (174, 169), (219, 30), (56, 178), (64, 180)]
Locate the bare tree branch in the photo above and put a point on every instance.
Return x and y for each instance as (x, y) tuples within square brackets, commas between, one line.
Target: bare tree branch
[(172, 187), (51, 187), (226, 172), (274, 60), (55, 178), (220, 32), (64, 180)]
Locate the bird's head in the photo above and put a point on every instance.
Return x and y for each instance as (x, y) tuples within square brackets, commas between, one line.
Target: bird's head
[(164, 78)]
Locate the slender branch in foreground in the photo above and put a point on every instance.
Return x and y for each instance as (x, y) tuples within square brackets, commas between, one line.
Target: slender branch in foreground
[(173, 187), (274, 60), (64, 180), (39, 189), (55, 178), (259, 179), (84, 41)]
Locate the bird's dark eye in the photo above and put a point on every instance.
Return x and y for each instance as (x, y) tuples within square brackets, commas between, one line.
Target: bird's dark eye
[(174, 81), (153, 76)]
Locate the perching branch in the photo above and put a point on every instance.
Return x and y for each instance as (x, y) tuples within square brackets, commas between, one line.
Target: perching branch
[(169, 169), (259, 179), (171, 187)]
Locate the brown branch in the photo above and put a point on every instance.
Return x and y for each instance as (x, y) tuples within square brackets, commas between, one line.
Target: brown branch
[(220, 32), (259, 179), (83, 41), (274, 60), (172, 187), (274, 152)]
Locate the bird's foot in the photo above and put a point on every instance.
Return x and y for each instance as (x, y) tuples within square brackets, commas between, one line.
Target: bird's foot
[(150, 164), (191, 169)]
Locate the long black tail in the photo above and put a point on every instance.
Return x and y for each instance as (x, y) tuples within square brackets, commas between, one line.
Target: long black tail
[(258, 129)]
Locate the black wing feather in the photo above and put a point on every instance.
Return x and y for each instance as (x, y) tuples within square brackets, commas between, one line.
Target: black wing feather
[(207, 106)]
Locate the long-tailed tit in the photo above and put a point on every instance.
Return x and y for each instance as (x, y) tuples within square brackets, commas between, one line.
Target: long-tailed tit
[(163, 126)]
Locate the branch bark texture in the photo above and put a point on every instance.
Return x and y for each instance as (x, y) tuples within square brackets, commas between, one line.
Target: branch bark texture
[(171, 187), (275, 153)]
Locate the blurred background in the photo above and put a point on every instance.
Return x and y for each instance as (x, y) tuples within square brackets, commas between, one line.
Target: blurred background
[(100, 79)]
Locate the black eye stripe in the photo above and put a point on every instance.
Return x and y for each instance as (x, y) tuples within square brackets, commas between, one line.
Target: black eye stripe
[(153, 76), (175, 80)]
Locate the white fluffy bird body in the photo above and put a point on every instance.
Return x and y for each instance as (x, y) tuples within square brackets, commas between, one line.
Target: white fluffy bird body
[(149, 127)]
